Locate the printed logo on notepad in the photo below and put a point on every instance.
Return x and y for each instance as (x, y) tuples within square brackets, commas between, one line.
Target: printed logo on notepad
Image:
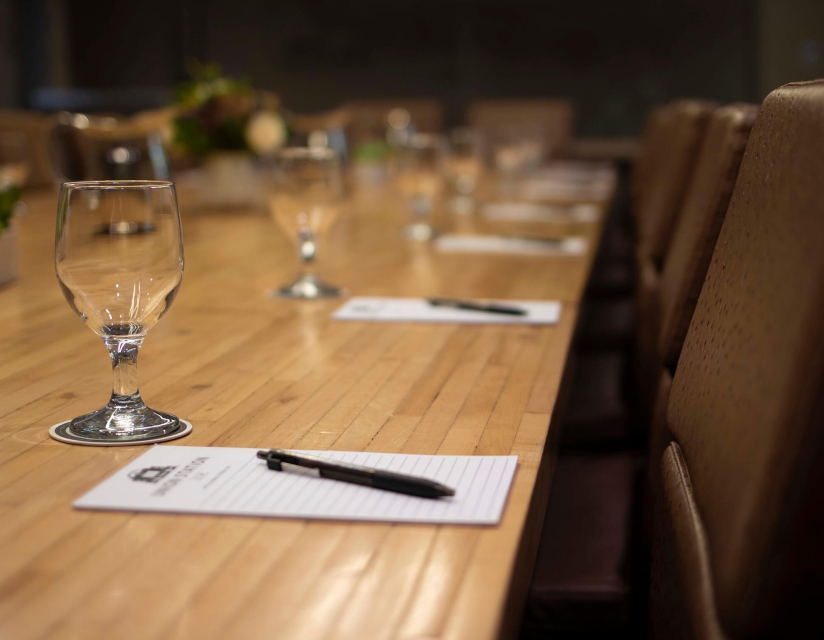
[(151, 474)]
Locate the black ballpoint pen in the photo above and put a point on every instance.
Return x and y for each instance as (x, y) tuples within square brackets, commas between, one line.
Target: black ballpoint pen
[(376, 478), (475, 306)]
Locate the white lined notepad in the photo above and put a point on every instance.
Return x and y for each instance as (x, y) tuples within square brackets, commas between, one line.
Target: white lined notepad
[(419, 310), (535, 212), (467, 243), (233, 481)]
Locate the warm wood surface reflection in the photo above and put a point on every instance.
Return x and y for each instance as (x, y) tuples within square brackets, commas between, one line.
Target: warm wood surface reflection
[(249, 371)]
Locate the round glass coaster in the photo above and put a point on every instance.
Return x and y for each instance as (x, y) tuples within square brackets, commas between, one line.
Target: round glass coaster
[(61, 432)]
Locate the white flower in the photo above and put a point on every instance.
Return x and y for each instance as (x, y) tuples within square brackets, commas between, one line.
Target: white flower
[(265, 132)]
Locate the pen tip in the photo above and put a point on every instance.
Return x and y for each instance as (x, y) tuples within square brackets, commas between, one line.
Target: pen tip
[(262, 454)]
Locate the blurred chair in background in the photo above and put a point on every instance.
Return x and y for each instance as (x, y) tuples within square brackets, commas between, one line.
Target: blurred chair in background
[(661, 198), (36, 128), (737, 550), (665, 173), (707, 200), (505, 124)]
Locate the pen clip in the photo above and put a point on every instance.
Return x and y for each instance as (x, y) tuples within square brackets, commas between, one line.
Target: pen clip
[(271, 461)]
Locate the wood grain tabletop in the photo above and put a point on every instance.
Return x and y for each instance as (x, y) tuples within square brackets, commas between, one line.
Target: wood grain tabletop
[(251, 371)]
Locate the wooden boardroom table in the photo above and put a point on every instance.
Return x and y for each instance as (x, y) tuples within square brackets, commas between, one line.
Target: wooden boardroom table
[(250, 371)]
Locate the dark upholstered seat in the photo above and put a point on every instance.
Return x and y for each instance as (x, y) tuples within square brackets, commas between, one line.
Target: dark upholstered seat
[(606, 322), (597, 415), (580, 579)]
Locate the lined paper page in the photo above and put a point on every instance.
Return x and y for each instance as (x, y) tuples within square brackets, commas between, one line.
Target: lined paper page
[(466, 243), (233, 481), (534, 212), (419, 310)]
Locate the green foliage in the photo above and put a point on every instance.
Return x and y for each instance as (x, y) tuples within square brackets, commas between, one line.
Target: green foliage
[(214, 111), (8, 198)]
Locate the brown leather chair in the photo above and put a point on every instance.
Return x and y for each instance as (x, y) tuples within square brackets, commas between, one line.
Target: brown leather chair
[(738, 548), (688, 258), (553, 118), (654, 140), (668, 174), (36, 128), (602, 545), (658, 211)]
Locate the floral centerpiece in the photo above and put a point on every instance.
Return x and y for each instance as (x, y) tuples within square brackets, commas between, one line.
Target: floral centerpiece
[(225, 121)]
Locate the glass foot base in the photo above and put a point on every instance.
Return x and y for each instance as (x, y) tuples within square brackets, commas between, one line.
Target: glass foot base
[(419, 232), (123, 423), (307, 286), (62, 433)]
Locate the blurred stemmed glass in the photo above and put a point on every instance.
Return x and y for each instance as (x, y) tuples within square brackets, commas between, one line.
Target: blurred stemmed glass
[(305, 198), (120, 286), (420, 182), (463, 166), (518, 148)]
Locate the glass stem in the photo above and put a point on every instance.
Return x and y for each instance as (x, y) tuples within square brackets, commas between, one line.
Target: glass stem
[(307, 247), (123, 352)]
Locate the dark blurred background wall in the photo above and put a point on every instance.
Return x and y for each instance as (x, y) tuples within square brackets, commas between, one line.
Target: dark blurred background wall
[(614, 58)]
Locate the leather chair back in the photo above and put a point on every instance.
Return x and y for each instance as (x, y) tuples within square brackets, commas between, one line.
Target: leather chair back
[(668, 176), (653, 143), (675, 291), (747, 401), (699, 223), (36, 127)]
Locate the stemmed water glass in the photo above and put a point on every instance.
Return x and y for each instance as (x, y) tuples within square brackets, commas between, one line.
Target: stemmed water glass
[(463, 167), (120, 286), (305, 198), (420, 182)]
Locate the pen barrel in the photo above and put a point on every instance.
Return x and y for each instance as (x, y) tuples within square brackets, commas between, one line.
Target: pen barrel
[(364, 479), (393, 482)]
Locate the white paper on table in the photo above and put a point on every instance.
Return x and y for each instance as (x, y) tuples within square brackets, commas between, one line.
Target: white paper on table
[(466, 243), (531, 189), (576, 170), (419, 310), (233, 481), (534, 212)]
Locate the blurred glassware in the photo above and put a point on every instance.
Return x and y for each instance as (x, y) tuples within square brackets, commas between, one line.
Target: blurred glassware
[(305, 198), (120, 286), (420, 182), (370, 162), (85, 147), (463, 167), (517, 149), (325, 129), (399, 127), (519, 146), (399, 130)]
